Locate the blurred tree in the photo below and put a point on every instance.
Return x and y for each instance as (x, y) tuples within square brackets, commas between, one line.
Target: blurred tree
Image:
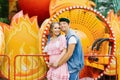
[(4, 6), (104, 6)]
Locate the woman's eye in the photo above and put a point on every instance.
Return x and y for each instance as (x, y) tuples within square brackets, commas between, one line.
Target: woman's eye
[(56, 28)]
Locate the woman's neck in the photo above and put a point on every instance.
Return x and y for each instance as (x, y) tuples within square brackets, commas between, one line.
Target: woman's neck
[(54, 36)]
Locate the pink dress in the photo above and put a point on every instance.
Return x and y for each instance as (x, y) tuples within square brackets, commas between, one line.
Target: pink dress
[(54, 49)]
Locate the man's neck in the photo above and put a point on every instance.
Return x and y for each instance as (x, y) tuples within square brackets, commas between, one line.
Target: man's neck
[(66, 32)]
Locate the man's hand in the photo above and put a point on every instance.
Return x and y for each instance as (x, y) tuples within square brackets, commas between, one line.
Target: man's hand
[(54, 65)]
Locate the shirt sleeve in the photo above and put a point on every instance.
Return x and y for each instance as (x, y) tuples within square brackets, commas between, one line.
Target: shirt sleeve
[(72, 40), (45, 49)]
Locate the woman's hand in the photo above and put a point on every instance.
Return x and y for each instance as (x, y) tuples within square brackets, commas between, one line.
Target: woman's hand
[(49, 64)]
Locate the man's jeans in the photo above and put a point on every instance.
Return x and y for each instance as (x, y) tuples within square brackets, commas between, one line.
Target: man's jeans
[(74, 76)]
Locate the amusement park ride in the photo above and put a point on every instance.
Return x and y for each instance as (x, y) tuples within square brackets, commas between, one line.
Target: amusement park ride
[(22, 42)]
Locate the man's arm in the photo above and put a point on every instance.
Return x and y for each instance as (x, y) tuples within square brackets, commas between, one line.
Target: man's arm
[(61, 55), (66, 56), (55, 64)]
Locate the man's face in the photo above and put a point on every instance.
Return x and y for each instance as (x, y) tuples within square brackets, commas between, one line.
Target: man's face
[(64, 26)]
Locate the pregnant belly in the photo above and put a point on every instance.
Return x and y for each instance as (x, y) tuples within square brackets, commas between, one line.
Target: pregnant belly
[(53, 58)]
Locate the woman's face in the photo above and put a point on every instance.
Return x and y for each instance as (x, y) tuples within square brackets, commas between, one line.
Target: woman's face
[(56, 29)]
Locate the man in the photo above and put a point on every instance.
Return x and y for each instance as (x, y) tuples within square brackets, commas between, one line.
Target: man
[(74, 55)]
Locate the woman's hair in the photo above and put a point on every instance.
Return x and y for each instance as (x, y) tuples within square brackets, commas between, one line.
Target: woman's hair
[(51, 27)]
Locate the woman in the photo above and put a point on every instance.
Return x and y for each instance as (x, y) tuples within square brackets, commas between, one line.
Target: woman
[(56, 48)]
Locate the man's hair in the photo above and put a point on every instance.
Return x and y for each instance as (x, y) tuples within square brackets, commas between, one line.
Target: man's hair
[(64, 20)]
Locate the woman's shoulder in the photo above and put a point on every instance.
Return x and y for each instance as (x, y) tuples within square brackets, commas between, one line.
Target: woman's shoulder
[(62, 36)]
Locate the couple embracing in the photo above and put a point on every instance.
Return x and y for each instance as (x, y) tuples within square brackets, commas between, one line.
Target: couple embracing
[(66, 58)]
